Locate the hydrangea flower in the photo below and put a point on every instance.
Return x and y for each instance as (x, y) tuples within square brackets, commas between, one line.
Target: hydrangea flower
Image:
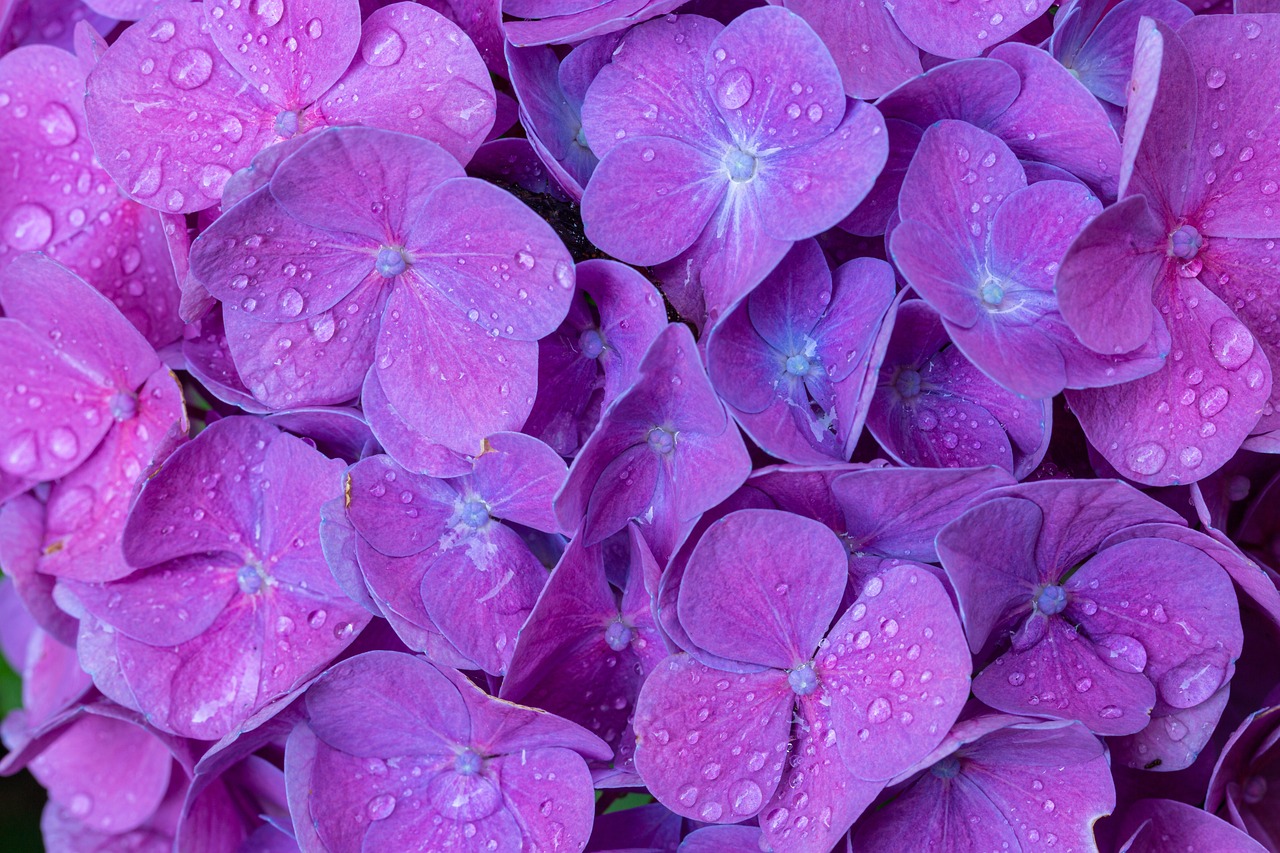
[(84, 401), (441, 283), (191, 92), (998, 782), (595, 354), (1244, 787), (933, 408), (57, 199), (443, 559), (397, 754), (985, 259), (957, 30), (1150, 826), (797, 359), (725, 144), (1101, 626), (1193, 233), (570, 21), (869, 698), (231, 603), (52, 22), (551, 92), (664, 452), (589, 644), (871, 52)]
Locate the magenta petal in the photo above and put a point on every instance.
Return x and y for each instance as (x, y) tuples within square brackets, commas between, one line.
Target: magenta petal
[(681, 755), (891, 59), (1148, 825), (1187, 419), (1108, 275), (752, 63), (450, 401), (397, 512), (681, 189), (411, 48), (897, 672), (958, 30), (518, 477), (291, 52), (736, 598), (150, 153), (402, 442), (319, 185), (1175, 737)]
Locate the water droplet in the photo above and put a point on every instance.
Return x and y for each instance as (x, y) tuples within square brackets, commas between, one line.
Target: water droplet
[(63, 443), (688, 795), (879, 711), (382, 48), (291, 302), (1146, 458), (316, 618), (191, 68), (29, 227), (57, 125), (890, 628), (381, 807), (647, 155), (525, 260), (315, 29), (711, 812), (1215, 77), (1017, 679), (1111, 712), (80, 805), (343, 630), (745, 797), (735, 88), (1230, 342), (814, 113), (1252, 30)]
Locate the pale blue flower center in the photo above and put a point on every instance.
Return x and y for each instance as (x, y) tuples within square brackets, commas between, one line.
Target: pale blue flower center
[(591, 343), (797, 365), (1185, 242), (1052, 600), (287, 124), (947, 768), (123, 406), (581, 137), (992, 292), (249, 579), (803, 680), (467, 763), (908, 383), (474, 513), (618, 635), (661, 440), (390, 262), (740, 165)]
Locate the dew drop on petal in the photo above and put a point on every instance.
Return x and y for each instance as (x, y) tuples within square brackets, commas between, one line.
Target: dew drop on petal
[(735, 88), (382, 48), (191, 68)]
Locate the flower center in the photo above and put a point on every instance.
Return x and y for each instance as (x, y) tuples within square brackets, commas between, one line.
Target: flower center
[(992, 292), (1185, 242), (1255, 788), (1052, 600), (123, 405), (286, 124), (797, 365), (581, 137), (249, 579), (390, 262), (740, 165), (907, 383), (591, 343), (662, 441), (803, 680), (618, 635), (467, 763), (474, 513), (947, 768)]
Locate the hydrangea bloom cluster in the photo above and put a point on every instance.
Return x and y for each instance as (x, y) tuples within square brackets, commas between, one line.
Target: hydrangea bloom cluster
[(679, 426)]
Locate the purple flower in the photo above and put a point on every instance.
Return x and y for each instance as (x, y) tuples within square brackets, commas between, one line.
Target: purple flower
[(664, 452), (51, 22), (397, 754), (981, 246), (725, 144), (871, 52), (998, 782), (797, 359), (595, 354), (1193, 233), (443, 559), (190, 93), (1245, 784), (869, 698), (231, 603), (56, 198), (1147, 826), (588, 645), (569, 21), (1104, 627), (1094, 39), (957, 30), (85, 401), (551, 92), (934, 408), (448, 280)]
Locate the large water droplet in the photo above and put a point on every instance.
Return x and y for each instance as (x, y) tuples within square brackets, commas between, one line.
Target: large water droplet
[(382, 48), (57, 125), (735, 88), (879, 710), (63, 443), (1147, 458), (191, 68), (1215, 77), (381, 807), (29, 227), (80, 805), (291, 302), (745, 797), (19, 454), (270, 11), (1230, 342), (315, 29)]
